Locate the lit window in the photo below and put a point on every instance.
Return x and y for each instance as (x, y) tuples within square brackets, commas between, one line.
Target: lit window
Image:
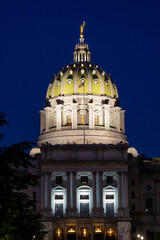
[(82, 118), (69, 119), (84, 180), (96, 119)]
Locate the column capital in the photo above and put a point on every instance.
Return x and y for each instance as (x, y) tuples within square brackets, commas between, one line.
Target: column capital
[(49, 173), (100, 173), (126, 173), (94, 173), (68, 173), (59, 106), (74, 173), (119, 173)]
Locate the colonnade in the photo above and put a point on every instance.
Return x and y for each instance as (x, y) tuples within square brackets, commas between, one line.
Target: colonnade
[(107, 114)]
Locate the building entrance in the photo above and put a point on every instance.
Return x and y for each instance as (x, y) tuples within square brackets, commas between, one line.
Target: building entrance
[(85, 234), (110, 234), (58, 234)]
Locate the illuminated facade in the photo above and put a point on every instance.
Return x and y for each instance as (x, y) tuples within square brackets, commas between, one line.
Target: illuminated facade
[(83, 155)]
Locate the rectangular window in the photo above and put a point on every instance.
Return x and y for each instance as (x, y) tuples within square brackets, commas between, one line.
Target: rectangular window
[(84, 209), (109, 179), (84, 196), (96, 119), (110, 196), (133, 207), (109, 209), (149, 206), (84, 180), (132, 182), (132, 194), (59, 210), (82, 118), (58, 197), (59, 180), (69, 120)]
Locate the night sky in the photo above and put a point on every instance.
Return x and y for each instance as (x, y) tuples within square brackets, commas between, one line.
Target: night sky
[(37, 38)]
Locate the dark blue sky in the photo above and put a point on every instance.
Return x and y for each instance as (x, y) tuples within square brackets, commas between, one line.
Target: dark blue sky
[(37, 38)]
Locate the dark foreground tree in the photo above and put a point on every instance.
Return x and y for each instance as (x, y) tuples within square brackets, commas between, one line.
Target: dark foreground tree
[(17, 220)]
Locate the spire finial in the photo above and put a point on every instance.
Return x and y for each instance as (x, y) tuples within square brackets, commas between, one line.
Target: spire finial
[(82, 29)]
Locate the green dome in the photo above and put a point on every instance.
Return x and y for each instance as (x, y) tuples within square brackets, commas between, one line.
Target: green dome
[(82, 77)]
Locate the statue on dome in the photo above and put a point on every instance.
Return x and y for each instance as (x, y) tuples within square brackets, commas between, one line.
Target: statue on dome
[(82, 28)]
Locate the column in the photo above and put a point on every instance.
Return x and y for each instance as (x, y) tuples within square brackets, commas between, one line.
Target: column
[(42, 122), (94, 189), (45, 191), (119, 190), (91, 120), (100, 190), (118, 118), (157, 196), (74, 191), (68, 191), (74, 116), (59, 116), (123, 120), (126, 189), (47, 118), (49, 191), (106, 116), (42, 191)]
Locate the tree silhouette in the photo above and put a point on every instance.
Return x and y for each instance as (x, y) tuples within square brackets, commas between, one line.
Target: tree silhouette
[(17, 220)]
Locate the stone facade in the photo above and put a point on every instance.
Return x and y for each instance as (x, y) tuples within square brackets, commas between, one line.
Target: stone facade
[(92, 186)]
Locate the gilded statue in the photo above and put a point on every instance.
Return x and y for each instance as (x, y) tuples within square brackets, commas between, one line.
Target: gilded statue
[(82, 28)]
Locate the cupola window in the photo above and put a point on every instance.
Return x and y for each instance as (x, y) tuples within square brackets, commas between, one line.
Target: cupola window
[(69, 81), (69, 120), (82, 71), (58, 82), (96, 120), (82, 118), (96, 81), (82, 79)]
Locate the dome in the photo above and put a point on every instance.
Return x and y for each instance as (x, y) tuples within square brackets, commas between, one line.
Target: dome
[(82, 72), (82, 105), (68, 81)]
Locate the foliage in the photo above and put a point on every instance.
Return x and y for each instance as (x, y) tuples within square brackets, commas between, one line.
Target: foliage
[(17, 220), (3, 121)]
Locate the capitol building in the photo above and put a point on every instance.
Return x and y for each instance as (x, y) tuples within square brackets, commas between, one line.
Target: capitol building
[(93, 186)]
